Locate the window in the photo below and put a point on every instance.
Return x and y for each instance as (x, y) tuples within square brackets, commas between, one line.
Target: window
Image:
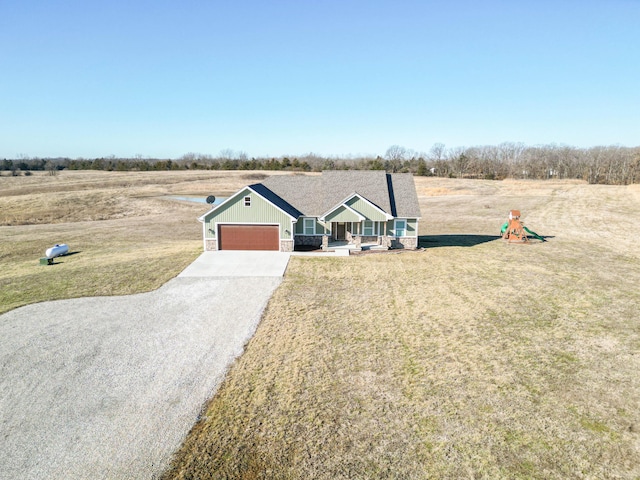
[(368, 228), (247, 201), (401, 228), (309, 226)]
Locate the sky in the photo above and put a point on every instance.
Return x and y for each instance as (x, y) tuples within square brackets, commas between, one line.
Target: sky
[(163, 78)]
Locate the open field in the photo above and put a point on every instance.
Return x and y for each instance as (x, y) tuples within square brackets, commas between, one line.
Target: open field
[(125, 236), (468, 359)]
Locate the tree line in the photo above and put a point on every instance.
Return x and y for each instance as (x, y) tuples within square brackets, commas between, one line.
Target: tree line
[(614, 165)]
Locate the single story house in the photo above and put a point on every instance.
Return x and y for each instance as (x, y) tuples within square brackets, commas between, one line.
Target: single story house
[(284, 211)]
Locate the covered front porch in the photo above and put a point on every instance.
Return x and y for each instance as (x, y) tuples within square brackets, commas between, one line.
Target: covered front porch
[(356, 221), (368, 231), (357, 235)]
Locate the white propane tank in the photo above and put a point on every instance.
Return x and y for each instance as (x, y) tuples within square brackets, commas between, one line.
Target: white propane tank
[(57, 250)]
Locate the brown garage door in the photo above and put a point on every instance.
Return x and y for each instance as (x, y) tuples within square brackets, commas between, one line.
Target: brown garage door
[(248, 237)]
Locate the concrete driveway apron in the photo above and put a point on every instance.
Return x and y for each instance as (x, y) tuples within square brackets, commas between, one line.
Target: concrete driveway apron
[(108, 387), (238, 263)]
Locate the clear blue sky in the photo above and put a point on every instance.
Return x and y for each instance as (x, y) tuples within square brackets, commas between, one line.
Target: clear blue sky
[(162, 78)]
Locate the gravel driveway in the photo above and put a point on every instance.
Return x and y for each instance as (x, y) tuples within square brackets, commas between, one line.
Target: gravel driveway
[(108, 387)]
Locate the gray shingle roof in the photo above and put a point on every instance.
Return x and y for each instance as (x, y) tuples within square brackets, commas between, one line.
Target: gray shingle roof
[(406, 198), (302, 191), (276, 200), (371, 184), (315, 195)]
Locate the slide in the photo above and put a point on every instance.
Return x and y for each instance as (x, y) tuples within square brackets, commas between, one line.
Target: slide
[(530, 232)]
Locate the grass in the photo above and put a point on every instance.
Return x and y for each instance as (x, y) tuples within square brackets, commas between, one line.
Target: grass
[(468, 359), (125, 236), (464, 360)]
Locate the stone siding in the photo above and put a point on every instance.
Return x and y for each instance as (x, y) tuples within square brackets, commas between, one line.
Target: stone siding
[(210, 244), (370, 239), (309, 240), (386, 241), (409, 243), (286, 245)]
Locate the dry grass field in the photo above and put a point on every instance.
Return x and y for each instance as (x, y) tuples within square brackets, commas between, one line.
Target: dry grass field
[(125, 235), (470, 358)]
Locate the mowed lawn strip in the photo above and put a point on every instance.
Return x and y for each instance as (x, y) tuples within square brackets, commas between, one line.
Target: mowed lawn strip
[(489, 361)]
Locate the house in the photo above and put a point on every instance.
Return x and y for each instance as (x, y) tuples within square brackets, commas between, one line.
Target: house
[(285, 211)]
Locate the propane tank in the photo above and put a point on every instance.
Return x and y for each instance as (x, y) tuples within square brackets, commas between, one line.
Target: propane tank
[(57, 250)]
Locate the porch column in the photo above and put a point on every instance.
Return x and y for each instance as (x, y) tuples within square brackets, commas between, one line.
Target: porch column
[(325, 242)]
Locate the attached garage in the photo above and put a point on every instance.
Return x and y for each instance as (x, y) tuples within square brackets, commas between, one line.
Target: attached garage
[(248, 237), (252, 219)]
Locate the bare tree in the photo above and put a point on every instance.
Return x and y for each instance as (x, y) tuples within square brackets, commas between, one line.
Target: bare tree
[(227, 154), (51, 168), (395, 152), (437, 152), (395, 156)]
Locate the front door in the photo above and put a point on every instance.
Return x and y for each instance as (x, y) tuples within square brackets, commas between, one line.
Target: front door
[(341, 229)]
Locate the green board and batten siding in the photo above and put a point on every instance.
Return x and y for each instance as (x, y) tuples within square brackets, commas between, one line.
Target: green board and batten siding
[(412, 227), (342, 214), (260, 212), (367, 210), (320, 228), (412, 224)]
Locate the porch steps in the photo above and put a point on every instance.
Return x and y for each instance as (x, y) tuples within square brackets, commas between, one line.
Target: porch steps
[(346, 247), (340, 249), (373, 247)]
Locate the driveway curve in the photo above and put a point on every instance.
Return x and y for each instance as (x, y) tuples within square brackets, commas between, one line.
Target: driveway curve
[(108, 387)]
